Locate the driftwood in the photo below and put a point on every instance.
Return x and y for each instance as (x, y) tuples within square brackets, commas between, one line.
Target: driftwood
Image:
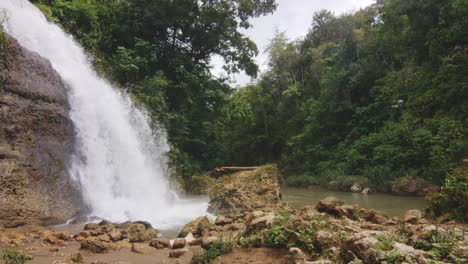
[(233, 169)]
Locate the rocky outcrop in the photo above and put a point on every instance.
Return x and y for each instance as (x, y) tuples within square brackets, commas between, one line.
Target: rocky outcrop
[(36, 139), (246, 191), (413, 186)]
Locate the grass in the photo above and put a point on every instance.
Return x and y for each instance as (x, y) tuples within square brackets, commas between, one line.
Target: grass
[(12, 256), (214, 251)]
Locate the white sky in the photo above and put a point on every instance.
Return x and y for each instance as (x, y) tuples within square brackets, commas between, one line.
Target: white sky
[(293, 17)]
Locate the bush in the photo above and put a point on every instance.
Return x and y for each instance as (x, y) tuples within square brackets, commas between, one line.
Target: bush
[(217, 249), (452, 201), (288, 232), (15, 257)]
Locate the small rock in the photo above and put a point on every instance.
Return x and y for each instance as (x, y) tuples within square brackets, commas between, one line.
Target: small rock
[(366, 190), (296, 256), (143, 248), (195, 242), (160, 243), (178, 243), (176, 253), (412, 216), (356, 188), (95, 246)]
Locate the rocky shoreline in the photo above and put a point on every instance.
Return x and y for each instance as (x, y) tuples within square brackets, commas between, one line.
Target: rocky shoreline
[(267, 231)]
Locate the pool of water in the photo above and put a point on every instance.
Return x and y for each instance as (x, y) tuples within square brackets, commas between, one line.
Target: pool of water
[(390, 204)]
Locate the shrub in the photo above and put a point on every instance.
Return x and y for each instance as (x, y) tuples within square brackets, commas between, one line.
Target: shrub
[(15, 257), (452, 201), (288, 232), (217, 249)]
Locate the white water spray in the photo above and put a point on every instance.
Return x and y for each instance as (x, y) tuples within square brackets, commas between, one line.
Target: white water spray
[(120, 162)]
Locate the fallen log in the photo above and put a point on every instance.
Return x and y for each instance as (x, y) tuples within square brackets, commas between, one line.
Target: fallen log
[(233, 169)]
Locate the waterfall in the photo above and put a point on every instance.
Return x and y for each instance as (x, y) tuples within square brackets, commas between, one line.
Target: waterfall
[(120, 160)]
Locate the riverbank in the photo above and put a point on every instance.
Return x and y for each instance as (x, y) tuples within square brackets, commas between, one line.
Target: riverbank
[(329, 232)]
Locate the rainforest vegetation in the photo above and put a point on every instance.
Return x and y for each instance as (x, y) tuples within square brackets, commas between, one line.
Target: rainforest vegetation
[(377, 94)]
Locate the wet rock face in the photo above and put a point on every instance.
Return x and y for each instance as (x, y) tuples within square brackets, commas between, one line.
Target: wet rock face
[(36, 139), (246, 191)]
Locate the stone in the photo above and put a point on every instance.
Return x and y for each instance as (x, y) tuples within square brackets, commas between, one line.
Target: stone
[(95, 245), (142, 248), (356, 187), (362, 245), (106, 223), (413, 186), (115, 235), (261, 222), (196, 227), (325, 240), (412, 216), (138, 232), (296, 256), (246, 191), (366, 190), (196, 242), (160, 243), (329, 205), (177, 253), (178, 243), (222, 220)]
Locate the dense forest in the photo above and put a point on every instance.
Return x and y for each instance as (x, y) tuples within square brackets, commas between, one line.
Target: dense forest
[(376, 94)]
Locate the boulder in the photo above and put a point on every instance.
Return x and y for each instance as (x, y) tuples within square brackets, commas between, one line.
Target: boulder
[(366, 190), (206, 242), (179, 243), (160, 243), (177, 253), (362, 245), (142, 248), (325, 240), (329, 205), (95, 245), (412, 216), (296, 256), (356, 188), (413, 186), (138, 232), (261, 222), (246, 191), (196, 227)]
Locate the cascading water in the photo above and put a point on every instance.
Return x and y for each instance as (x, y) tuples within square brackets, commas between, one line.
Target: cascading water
[(120, 162)]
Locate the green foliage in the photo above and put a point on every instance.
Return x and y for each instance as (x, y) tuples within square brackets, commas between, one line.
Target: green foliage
[(372, 95), (14, 257), (217, 249), (452, 201), (287, 232), (254, 240)]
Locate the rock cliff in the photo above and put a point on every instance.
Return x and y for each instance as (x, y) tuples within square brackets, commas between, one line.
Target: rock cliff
[(36, 140)]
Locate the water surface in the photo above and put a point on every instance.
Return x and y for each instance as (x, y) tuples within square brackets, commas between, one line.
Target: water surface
[(389, 204)]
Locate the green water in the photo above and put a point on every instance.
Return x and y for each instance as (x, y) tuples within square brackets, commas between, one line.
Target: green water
[(390, 204)]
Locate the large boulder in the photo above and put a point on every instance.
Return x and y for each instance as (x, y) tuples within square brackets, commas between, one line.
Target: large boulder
[(413, 186), (196, 227), (246, 191), (36, 141)]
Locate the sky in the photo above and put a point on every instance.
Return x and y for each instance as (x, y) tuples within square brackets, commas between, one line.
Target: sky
[(293, 17)]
